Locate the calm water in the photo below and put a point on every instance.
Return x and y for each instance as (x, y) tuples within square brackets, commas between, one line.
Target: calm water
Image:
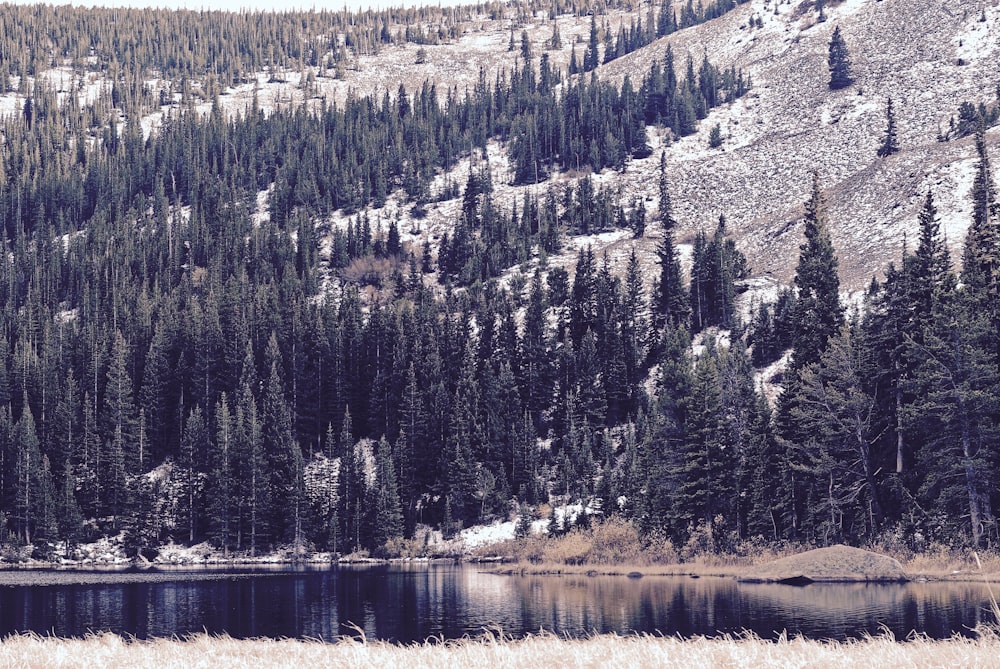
[(408, 603)]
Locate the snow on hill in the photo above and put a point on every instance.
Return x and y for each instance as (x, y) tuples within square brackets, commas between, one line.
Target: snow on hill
[(928, 56)]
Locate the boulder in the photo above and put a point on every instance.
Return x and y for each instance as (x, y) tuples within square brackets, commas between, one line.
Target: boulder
[(836, 564)]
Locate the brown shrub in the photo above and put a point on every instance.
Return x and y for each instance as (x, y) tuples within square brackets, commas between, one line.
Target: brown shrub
[(616, 541), (573, 548)]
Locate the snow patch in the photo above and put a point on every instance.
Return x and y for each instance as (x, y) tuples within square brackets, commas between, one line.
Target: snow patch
[(486, 535)]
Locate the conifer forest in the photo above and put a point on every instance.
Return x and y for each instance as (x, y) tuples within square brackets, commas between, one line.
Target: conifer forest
[(174, 366)]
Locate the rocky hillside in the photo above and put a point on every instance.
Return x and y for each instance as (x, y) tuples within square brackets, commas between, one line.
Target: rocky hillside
[(928, 56)]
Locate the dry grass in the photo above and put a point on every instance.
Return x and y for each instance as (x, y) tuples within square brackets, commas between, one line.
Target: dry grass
[(494, 650), (614, 547)]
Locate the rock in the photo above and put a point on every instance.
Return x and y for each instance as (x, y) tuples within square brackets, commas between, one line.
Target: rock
[(140, 563), (836, 564)]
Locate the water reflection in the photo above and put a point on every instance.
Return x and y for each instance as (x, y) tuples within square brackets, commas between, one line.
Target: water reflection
[(414, 602)]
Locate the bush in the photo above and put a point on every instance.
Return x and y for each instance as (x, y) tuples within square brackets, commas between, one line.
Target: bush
[(616, 541), (368, 271), (715, 137), (573, 549)]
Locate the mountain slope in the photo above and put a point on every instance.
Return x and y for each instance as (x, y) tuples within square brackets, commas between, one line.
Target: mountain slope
[(929, 57), (791, 124)]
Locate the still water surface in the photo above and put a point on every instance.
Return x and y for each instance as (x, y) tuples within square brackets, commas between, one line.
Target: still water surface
[(412, 603)]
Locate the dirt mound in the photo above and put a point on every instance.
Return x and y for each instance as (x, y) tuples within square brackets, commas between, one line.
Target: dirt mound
[(833, 564)]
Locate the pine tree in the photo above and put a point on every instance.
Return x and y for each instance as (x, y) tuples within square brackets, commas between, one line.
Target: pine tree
[(221, 493), (635, 331), (583, 297), (954, 406), (662, 437), (818, 313), (34, 493), (704, 474), (665, 21), (535, 366), (890, 143), (841, 417), (283, 453), (118, 423), (194, 449), (388, 513), (525, 47), (670, 299), (591, 58), (251, 461), (817, 317), (839, 62), (931, 274), (716, 267), (981, 256), (555, 41)]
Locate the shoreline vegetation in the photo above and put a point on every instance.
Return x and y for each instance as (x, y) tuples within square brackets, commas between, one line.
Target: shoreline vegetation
[(612, 547), (493, 649)]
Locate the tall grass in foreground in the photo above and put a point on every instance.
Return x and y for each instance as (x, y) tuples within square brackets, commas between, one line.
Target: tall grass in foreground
[(994, 606), (112, 652)]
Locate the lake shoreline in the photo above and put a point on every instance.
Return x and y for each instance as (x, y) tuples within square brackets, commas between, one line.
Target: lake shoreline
[(498, 565)]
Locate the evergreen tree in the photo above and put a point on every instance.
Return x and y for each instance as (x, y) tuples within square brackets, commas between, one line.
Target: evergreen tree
[(841, 417), (981, 256), (955, 383), (818, 313), (525, 47), (388, 513), (251, 461), (118, 425), (705, 472), (283, 453), (34, 495), (817, 317), (716, 267), (665, 20), (839, 62), (194, 449), (555, 41), (890, 143), (931, 269), (221, 486), (670, 298), (591, 58), (661, 445), (535, 359)]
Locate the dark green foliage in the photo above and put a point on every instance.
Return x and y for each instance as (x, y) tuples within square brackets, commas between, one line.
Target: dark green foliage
[(670, 299), (385, 506), (717, 266), (680, 103), (818, 313), (981, 257), (839, 62), (591, 58), (837, 461), (715, 137), (173, 368), (890, 143), (970, 117), (771, 328)]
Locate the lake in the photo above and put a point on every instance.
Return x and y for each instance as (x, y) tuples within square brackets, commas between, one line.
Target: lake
[(407, 603)]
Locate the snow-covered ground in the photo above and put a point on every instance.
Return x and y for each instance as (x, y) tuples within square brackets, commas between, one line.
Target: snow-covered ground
[(791, 124), (928, 56)]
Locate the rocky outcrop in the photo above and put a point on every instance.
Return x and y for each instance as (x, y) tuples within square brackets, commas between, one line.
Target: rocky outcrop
[(836, 564)]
